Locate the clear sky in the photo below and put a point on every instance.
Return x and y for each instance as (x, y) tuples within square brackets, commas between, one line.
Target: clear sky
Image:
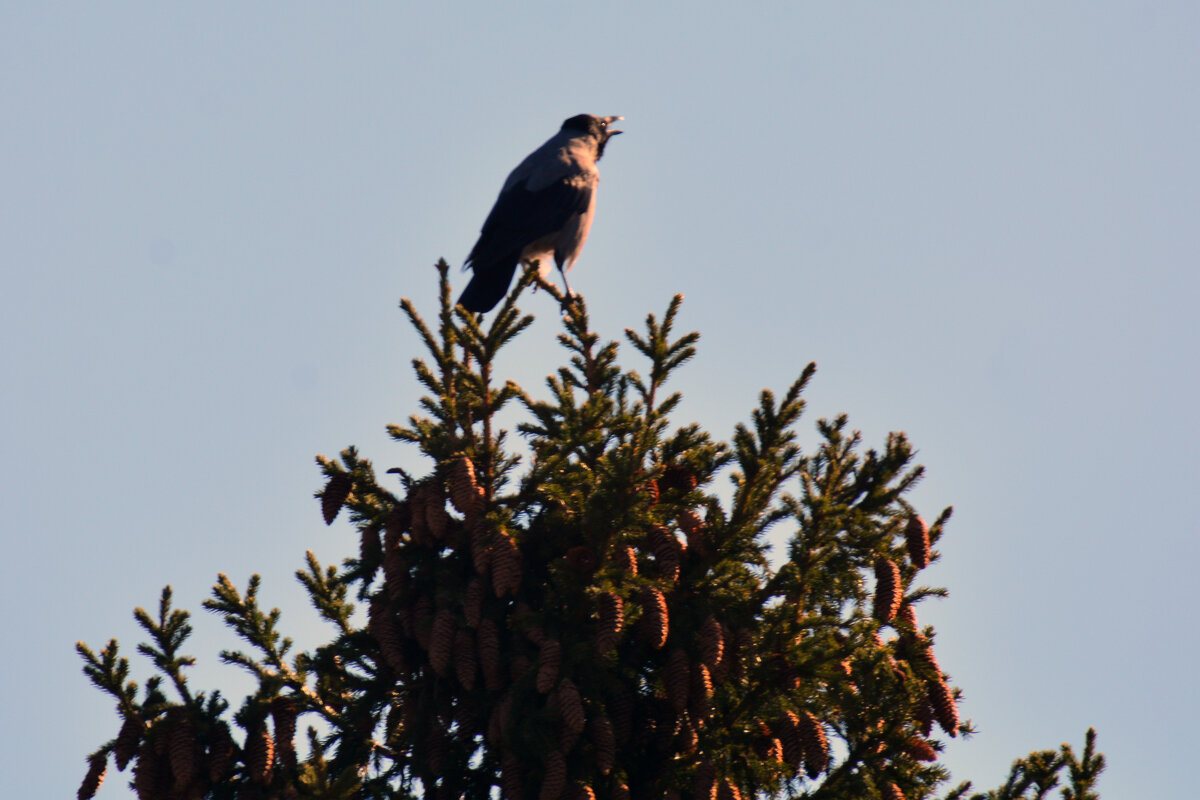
[(980, 219)]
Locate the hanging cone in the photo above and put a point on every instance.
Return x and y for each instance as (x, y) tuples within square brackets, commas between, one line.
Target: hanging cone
[(283, 717), (702, 691), (728, 790), (787, 729), (549, 661), (370, 549), (610, 618), (481, 544), (916, 538), (97, 766), (604, 744), (920, 749), (334, 495), (489, 655), (626, 559), (128, 740), (892, 792), (675, 679), (510, 776), (473, 601), (506, 565), (465, 663), (259, 753), (677, 478), (712, 643), (555, 779), (149, 773), (654, 617), (704, 781), (816, 746), (887, 589), (570, 706), (221, 752), (665, 547), (441, 641), (465, 492), (945, 710), (183, 751)]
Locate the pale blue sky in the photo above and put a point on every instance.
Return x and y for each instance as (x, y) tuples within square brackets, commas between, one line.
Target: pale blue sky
[(979, 219)]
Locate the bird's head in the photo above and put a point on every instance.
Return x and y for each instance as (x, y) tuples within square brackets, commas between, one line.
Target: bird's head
[(597, 127)]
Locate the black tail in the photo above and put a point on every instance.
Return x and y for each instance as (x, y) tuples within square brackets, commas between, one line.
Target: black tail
[(489, 283)]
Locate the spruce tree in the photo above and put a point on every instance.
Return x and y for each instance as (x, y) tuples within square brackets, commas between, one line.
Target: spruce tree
[(586, 617)]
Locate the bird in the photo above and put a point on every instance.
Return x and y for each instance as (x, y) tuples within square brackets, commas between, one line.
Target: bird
[(544, 209)]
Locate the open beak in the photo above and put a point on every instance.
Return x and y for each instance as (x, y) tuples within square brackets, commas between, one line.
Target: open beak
[(609, 121)]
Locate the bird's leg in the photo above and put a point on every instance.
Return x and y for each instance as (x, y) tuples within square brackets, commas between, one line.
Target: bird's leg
[(571, 296)]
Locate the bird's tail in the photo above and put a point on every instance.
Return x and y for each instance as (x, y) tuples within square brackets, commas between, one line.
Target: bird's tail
[(488, 284)]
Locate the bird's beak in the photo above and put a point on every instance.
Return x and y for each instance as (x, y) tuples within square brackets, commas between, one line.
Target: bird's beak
[(609, 121)]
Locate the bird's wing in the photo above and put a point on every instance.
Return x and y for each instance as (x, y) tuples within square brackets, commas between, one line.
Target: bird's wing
[(522, 215)]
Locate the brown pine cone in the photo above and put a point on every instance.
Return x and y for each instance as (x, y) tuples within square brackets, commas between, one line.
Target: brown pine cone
[(908, 615), (816, 746), (259, 753), (620, 710), (370, 550), (383, 628), (489, 655), (654, 620), (712, 643), (945, 710), (677, 478), (892, 792), (398, 521), (690, 522), (334, 495), (787, 729), (465, 492), (570, 706), (555, 779), (604, 743), (887, 589), (506, 565), (702, 691), (582, 791), (923, 714), (626, 559), (221, 752), (473, 601), (666, 548), (283, 717), (441, 640), (704, 781), (465, 662), (916, 538), (919, 749), (510, 776), (435, 510), (728, 790), (481, 545), (395, 573), (549, 661), (97, 766), (620, 791), (675, 679), (183, 751), (610, 617), (128, 740), (150, 773)]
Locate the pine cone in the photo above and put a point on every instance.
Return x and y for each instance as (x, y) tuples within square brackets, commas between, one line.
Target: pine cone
[(506, 565), (489, 655), (128, 740), (945, 710), (649, 490), (465, 663), (677, 478), (712, 643), (549, 661), (620, 710), (887, 589), (665, 547), (97, 766), (626, 559), (702, 691), (570, 705), (259, 753), (690, 522), (923, 714), (398, 521), (728, 790), (555, 779), (441, 641), (620, 791), (816, 746), (582, 791), (435, 510), (473, 601), (334, 495), (370, 549), (183, 751), (610, 617), (283, 717), (920, 749), (675, 679), (604, 743), (510, 776), (704, 781), (892, 792), (149, 773), (908, 615), (787, 728), (384, 630), (221, 752), (465, 492), (654, 620), (916, 538), (582, 559)]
